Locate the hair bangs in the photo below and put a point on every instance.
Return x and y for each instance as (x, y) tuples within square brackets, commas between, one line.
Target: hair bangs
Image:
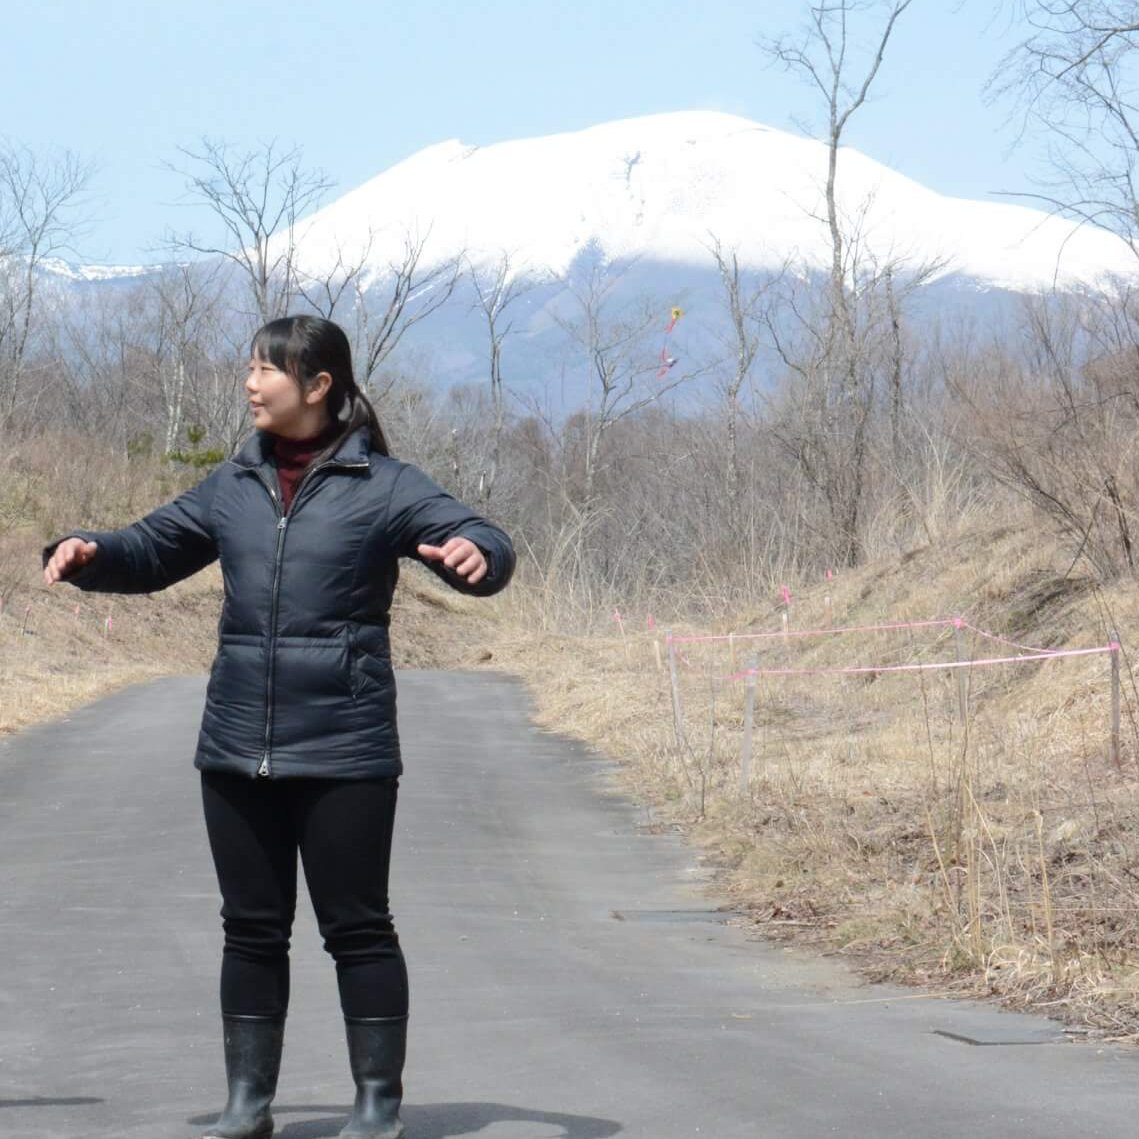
[(276, 343)]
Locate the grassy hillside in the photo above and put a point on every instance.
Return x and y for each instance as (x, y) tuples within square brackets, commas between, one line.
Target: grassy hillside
[(992, 855)]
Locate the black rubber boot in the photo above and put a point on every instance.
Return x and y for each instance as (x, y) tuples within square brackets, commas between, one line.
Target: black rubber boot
[(376, 1052), (252, 1062)]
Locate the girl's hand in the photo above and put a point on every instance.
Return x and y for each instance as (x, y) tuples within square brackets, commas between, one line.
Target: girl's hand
[(71, 554), (460, 555)]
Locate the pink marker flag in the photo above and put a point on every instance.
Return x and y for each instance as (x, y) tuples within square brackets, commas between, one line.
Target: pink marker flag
[(651, 623), (830, 574), (786, 596)]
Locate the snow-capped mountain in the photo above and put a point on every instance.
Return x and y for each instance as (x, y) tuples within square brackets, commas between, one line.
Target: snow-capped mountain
[(652, 195), (663, 187)]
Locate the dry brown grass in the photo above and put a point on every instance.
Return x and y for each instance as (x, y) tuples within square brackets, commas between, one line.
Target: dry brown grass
[(998, 857), (56, 652)]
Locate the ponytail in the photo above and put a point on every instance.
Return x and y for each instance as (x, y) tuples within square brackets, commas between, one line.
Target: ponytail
[(355, 410)]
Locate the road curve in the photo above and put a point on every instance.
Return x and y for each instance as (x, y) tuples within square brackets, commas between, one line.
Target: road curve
[(569, 975)]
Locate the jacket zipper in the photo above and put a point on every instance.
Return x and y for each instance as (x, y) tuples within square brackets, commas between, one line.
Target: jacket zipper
[(265, 770)]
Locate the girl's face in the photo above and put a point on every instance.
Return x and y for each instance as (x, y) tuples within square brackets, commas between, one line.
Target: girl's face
[(278, 404)]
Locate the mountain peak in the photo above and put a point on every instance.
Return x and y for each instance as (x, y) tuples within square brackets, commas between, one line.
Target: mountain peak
[(666, 186)]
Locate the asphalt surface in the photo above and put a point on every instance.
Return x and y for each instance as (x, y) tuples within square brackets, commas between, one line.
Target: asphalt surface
[(570, 977)]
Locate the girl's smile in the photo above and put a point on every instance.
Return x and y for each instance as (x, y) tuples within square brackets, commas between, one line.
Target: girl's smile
[(276, 403)]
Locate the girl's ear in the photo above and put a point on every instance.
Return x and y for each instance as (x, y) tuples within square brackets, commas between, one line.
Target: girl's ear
[(318, 389)]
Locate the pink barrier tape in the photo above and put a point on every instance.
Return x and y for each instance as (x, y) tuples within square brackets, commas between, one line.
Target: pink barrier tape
[(943, 622), (1003, 640), (1048, 655)]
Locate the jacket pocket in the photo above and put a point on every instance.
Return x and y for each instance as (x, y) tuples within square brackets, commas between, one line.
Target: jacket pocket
[(371, 673), (238, 665), (235, 696), (355, 671), (311, 669)]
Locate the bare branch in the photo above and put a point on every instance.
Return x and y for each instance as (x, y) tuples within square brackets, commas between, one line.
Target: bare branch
[(257, 196), (1074, 75)]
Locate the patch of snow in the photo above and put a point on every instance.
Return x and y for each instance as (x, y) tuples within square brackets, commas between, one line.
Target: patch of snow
[(61, 268)]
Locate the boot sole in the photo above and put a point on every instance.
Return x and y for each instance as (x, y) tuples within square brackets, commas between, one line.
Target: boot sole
[(262, 1132)]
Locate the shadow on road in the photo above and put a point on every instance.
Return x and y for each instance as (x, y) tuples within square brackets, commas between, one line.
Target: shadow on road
[(435, 1120), (47, 1101)]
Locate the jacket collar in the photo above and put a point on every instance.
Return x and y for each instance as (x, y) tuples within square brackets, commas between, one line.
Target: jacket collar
[(258, 450)]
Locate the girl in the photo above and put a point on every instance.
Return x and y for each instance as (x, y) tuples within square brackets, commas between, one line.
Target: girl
[(298, 747)]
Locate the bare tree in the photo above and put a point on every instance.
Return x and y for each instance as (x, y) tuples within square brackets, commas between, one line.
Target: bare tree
[(381, 305), (821, 56), (184, 352), (623, 373), (39, 201), (1073, 75), (101, 367), (1060, 424), (837, 369), (745, 300), (497, 287), (151, 365), (258, 196), (1067, 427)]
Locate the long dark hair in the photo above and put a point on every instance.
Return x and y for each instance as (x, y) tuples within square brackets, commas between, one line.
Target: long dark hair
[(304, 346)]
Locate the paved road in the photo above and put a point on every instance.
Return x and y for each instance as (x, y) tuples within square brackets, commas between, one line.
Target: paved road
[(568, 979)]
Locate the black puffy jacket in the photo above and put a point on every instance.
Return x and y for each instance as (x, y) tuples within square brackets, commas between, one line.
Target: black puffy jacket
[(302, 684)]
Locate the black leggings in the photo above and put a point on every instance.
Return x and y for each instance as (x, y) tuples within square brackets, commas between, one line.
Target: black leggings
[(343, 830)]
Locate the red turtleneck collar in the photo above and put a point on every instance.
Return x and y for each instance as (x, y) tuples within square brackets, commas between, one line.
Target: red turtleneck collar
[(293, 457)]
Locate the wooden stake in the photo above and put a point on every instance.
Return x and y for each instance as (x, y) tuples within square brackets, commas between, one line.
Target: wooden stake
[(962, 690), (1115, 651), (677, 713), (749, 719)]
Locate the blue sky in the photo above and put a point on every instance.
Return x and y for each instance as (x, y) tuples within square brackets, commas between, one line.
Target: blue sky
[(361, 84)]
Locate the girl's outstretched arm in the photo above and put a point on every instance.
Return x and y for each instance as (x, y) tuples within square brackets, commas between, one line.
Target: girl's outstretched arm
[(166, 546), (425, 519)]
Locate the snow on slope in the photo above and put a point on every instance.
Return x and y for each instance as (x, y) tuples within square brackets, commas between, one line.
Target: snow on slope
[(65, 269), (661, 186)]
